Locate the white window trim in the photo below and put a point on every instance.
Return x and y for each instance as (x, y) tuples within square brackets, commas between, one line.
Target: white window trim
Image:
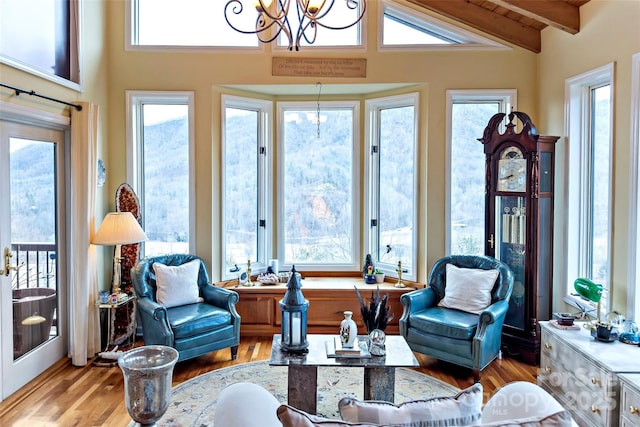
[(76, 54), (577, 123), (479, 42), (134, 100), (265, 183), (130, 25), (355, 177), (633, 275), (372, 191), (508, 98)]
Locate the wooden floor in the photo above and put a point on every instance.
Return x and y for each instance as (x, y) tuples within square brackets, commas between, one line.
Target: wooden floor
[(67, 396)]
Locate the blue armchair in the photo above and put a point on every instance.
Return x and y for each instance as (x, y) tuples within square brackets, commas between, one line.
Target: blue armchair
[(192, 329), (459, 337)]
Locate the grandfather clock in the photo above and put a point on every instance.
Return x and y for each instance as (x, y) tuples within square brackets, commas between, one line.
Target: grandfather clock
[(519, 224)]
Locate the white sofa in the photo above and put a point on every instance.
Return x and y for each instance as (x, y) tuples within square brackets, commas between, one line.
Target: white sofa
[(516, 404)]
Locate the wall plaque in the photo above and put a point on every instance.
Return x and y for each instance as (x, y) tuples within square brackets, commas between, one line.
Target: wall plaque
[(319, 67)]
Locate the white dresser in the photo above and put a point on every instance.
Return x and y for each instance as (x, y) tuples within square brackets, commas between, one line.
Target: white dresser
[(629, 400), (583, 374)]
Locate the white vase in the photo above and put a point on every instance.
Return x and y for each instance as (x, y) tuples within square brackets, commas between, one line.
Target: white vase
[(348, 330)]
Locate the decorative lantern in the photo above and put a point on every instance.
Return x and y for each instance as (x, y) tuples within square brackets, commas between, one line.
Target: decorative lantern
[(294, 316)]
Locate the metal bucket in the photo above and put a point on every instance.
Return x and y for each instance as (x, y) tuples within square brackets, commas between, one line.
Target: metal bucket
[(148, 372)]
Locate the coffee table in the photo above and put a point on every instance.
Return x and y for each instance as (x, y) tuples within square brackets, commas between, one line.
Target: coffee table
[(379, 371)]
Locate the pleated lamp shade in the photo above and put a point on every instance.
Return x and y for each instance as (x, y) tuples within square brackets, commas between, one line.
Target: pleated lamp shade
[(119, 228)]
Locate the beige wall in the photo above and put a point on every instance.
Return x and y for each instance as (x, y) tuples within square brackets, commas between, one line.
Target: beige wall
[(610, 34), (206, 73), (94, 89)]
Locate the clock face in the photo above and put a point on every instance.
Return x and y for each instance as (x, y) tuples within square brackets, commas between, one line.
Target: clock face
[(512, 171)]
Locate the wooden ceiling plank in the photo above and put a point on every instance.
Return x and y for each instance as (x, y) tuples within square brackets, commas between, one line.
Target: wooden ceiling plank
[(484, 20), (556, 13)]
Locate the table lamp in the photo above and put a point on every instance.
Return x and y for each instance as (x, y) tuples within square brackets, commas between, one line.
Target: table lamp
[(117, 229), (589, 290)]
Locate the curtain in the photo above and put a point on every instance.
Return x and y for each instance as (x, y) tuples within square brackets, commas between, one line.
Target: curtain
[(84, 325)]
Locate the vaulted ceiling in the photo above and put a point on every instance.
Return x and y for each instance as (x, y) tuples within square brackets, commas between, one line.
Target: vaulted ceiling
[(515, 21)]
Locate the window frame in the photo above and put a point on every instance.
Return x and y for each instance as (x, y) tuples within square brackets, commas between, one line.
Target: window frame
[(75, 82), (474, 41), (131, 28), (633, 296), (281, 106), (265, 183), (508, 100), (373, 197), (578, 161), (134, 103)]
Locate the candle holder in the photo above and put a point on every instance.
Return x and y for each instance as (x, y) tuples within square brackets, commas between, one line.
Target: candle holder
[(400, 284), (294, 309)]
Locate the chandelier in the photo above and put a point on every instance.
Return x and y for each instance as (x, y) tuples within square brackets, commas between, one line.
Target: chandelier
[(273, 18)]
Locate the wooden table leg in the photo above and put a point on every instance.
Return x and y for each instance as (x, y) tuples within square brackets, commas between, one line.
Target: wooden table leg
[(379, 383), (302, 392)]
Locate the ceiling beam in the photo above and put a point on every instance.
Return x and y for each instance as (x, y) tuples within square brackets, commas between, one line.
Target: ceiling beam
[(484, 20), (556, 13)]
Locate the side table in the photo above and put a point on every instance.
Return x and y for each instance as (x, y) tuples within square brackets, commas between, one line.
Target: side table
[(112, 309)]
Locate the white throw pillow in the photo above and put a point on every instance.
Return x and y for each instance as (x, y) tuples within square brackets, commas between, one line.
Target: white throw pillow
[(177, 285), (468, 289), (462, 409)]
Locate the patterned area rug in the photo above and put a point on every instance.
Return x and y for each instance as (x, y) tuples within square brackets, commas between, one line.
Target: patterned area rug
[(194, 401)]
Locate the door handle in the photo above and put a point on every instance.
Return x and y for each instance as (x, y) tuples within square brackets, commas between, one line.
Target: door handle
[(7, 262)]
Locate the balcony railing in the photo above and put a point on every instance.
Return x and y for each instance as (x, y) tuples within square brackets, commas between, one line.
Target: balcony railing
[(36, 265)]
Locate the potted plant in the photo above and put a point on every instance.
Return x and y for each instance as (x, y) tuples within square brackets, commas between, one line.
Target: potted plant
[(369, 277), (379, 275), (375, 314)]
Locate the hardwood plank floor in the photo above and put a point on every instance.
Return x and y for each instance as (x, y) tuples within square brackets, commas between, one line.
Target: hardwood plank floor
[(66, 395)]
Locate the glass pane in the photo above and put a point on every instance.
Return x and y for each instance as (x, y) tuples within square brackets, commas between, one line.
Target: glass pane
[(396, 212), (546, 176), (33, 242), (397, 31), (600, 161), (468, 121), (191, 23), (44, 41), (241, 186), (317, 190), (510, 244), (165, 198), (338, 16)]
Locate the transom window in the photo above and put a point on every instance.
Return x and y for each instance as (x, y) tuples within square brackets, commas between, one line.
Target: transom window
[(41, 37), (198, 24)]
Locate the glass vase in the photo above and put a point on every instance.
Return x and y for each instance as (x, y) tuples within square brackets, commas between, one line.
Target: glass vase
[(148, 372)]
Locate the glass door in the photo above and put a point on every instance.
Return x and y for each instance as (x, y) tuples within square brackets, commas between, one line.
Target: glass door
[(32, 188), (511, 226)]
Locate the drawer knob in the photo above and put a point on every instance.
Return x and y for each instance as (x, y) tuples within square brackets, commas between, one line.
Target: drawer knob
[(594, 409), (548, 346), (595, 380), (633, 409)]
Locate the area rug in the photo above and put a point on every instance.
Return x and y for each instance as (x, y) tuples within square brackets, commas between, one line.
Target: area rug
[(194, 401)]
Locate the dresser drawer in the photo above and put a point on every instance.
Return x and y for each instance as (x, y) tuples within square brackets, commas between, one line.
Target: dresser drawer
[(630, 405)]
